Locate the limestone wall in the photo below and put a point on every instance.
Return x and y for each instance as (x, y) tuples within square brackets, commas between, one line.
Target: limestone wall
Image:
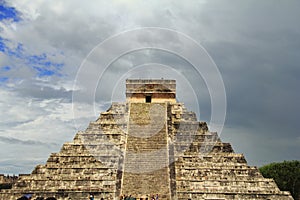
[(159, 91)]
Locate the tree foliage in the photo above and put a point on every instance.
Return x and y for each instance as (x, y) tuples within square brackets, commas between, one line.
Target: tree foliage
[(286, 175)]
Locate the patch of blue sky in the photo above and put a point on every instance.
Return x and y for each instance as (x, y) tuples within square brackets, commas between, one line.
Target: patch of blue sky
[(57, 66), (44, 71), (5, 68), (3, 79), (40, 63), (2, 44), (50, 70), (17, 52), (44, 66), (37, 58), (8, 13)]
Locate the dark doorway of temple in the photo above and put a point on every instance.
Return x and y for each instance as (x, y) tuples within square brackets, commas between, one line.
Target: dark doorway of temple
[(148, 99)]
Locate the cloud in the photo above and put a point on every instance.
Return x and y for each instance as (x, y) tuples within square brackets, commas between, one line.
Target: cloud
[(34, 127), (11, 140)]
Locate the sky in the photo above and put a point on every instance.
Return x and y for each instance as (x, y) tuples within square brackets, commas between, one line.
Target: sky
[(49, 91)]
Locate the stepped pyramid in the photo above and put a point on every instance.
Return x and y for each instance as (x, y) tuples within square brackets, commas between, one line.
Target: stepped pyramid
[(148, 145)]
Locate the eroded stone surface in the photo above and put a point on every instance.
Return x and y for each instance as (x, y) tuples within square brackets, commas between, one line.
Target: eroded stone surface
[(144, 148)]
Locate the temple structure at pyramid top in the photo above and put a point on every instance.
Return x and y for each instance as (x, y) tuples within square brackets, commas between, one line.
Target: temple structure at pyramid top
[(149, 145), (147, 91)]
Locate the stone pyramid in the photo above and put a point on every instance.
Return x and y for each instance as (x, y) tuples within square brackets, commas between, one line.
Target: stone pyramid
[(146, 146)]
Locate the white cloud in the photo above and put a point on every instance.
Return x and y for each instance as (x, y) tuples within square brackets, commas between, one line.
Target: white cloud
[(28, 124)]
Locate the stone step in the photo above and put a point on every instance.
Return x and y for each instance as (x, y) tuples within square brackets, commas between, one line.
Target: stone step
[(146, 160)]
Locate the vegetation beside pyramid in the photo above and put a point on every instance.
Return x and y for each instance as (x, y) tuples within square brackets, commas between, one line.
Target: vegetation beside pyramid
[(146, 146)]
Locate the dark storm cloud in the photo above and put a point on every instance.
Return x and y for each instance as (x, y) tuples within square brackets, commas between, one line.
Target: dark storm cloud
[(259, 86), (260, 68)]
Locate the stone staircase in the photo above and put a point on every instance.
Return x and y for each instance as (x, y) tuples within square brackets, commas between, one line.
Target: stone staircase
[(91, 163), (146, 170), (207, 168), (143, 149)]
